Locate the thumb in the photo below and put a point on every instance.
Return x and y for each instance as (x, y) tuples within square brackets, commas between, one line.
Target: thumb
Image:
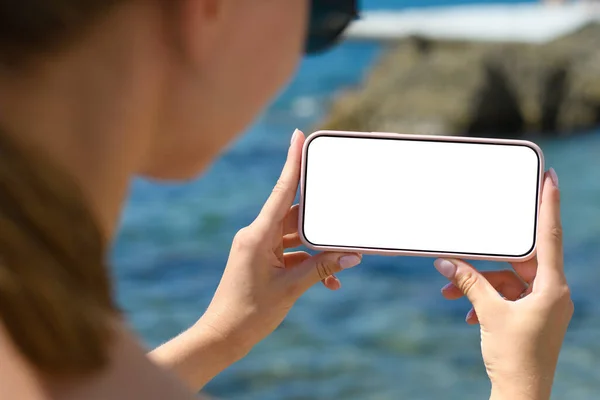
[(469, 281), (320, 266)]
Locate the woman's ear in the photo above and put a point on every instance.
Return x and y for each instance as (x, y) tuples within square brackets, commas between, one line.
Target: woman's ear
[(198, 24)]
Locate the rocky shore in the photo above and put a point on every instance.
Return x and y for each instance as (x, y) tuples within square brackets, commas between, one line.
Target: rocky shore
[(437, 87)]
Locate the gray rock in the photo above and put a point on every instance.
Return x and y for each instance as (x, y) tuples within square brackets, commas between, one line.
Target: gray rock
[(478, 89)]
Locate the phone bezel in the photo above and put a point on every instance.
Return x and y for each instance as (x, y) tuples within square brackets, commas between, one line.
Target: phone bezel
[(418, 253)]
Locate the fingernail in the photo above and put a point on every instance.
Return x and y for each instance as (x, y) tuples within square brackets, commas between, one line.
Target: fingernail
[(333, 283), (349, 261), (470, 314), (553, 177), (294, 135), (447, 287), (445, 267)]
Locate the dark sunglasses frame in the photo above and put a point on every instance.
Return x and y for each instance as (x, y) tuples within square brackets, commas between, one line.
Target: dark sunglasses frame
[(328, 21)]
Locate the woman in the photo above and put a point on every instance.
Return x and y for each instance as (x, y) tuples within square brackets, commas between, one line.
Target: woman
[(97, 91)]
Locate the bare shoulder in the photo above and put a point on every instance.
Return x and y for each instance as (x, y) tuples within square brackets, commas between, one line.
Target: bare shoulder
[(16, 377), (131, 375)]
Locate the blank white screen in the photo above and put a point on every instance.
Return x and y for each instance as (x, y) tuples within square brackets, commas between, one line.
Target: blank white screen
[(411, 195)]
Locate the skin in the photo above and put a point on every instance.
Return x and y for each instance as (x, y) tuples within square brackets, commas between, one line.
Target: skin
[(163, 95), (524, 313)]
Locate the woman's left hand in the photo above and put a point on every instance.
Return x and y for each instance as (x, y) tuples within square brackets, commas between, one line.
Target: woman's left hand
[(261, 282)]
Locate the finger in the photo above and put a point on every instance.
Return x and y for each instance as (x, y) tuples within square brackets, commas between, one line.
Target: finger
[(511, 291), (527, 270), (295, 258), (332, 283), (550, 248), (471, 317), (291, 241), (290, 223), (320, 267), (469, 281), (451, 292), (284, 192), (506, 282)]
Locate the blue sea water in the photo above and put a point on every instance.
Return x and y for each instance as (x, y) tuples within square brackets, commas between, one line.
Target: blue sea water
[(388, 334)]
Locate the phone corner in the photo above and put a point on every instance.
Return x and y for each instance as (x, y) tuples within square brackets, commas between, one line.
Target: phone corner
[(311, 137), (527, 256), (537, 150), (318, 133), (302, 235)]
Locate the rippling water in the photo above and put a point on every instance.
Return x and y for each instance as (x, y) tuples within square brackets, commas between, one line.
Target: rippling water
[(388, 334)]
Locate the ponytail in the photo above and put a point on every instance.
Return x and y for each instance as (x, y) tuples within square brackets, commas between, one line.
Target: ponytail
[(55, 290)]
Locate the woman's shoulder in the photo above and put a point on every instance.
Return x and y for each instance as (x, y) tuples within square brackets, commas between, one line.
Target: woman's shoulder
[(17, 379), (130, 374)]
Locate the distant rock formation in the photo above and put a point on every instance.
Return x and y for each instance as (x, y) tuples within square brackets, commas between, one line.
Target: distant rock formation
[(478, 89)]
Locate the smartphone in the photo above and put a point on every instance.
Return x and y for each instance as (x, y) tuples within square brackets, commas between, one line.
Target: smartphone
[(430, 196)]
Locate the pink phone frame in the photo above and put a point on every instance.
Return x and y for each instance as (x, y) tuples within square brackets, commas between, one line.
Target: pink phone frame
[(387, 135)]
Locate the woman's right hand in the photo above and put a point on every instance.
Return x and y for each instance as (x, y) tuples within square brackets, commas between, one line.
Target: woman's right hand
[(521, 331)]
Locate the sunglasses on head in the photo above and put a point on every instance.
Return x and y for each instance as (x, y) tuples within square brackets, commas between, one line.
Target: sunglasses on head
[(328, 20)]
